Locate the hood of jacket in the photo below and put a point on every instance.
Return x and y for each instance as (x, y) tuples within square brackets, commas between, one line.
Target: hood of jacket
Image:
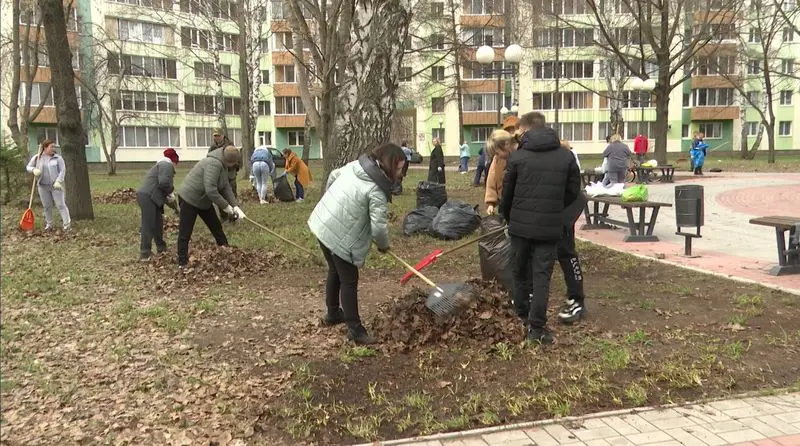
[(368, 169), (164, 160), (542, 139)]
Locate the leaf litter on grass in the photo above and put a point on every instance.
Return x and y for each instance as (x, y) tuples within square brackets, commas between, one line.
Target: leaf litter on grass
[(120, 196)]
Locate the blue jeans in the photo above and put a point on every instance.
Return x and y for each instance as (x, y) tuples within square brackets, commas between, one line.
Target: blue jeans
[(299, 192), (262, 170), (464, 166)]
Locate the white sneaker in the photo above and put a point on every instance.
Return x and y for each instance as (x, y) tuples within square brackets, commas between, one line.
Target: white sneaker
[(263, 201), (299, 200)]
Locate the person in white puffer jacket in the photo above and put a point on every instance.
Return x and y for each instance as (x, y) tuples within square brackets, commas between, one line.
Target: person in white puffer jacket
[(348, 218), (48, 167)]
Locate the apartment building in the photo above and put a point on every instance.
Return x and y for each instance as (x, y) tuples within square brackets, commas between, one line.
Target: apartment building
[(163, 57)]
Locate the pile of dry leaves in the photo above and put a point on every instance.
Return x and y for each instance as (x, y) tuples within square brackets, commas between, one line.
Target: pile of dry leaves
[(407, 324), (209, 263), (120, 196)]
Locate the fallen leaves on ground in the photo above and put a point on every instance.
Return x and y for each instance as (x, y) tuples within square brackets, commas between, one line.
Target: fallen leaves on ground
[(119, 196)]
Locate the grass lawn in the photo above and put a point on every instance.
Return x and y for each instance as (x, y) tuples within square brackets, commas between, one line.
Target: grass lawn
[(97, 348)]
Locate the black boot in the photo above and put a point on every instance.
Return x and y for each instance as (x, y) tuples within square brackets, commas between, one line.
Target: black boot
[(540, 336), (335, 316), (359, 335)]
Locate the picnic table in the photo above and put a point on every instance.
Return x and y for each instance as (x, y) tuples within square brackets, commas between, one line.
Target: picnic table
[(645, 175), (641, 229), (590, 176), (788, 254)]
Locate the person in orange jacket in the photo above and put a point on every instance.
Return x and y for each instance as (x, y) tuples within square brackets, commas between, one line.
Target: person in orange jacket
[(301, 172)]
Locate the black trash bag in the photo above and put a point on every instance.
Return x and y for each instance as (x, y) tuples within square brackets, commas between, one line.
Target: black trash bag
[(431, 194), (419, 220), (495, 254), (455, 220), (282, 189)]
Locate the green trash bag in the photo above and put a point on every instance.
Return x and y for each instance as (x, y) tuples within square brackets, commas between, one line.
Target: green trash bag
[(635, 193)]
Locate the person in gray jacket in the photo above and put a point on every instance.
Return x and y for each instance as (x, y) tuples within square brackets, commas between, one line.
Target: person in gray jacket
[(152, 195), (204, 186), (48, 167), (618, 155), (348, 218)]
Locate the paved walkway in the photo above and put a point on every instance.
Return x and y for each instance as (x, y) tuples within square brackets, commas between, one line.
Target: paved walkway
[(730, 245), (763, 421)]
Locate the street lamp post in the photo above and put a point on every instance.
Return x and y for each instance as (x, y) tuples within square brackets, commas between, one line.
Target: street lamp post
[(644, 87), (513, 55)]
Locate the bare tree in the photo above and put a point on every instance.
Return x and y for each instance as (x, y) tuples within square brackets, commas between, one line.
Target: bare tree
[(673, 32), (72, 136), (355, 51)]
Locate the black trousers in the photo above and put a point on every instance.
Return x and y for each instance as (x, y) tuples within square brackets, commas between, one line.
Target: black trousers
[(532, 269), (188, 216), (152, 226), (570, 264), (341, 287)]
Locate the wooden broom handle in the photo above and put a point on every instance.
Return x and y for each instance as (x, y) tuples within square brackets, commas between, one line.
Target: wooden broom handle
[(412, 269)]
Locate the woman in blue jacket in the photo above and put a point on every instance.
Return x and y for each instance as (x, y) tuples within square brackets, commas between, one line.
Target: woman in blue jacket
[(263, 168)]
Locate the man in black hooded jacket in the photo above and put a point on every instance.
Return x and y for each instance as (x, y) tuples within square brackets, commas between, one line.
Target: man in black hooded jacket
[(541, 180)]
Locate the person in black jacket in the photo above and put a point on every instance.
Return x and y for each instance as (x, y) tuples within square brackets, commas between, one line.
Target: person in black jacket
[(436, 166), (541, 180)]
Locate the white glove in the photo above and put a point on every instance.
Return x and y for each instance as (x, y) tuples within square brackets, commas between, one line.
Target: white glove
[(490, 210), (171, 198), (239, 212), (58, 185), (37, 172), (439, 169), (228, 210)]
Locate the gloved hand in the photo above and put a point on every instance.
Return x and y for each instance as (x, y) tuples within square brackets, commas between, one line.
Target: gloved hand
[(37, 172), (383, 250), (228, 210), (439, 169), (239, 212), (506, 232), (490, 210), (58, 185), (171, 198)]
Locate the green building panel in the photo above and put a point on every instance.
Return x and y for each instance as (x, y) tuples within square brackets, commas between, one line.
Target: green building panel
[(281, 141)]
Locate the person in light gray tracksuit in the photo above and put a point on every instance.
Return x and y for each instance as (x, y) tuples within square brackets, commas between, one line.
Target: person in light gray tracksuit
[(49, 168), (152, 195), (347, 219)]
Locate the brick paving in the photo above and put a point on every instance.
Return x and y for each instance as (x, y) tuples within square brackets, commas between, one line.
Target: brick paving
[(765, 420)]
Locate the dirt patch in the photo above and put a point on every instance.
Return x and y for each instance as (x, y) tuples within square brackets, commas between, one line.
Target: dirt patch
[(120, 196)]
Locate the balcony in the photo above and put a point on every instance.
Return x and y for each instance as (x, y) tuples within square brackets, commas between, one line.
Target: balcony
[(714, 81), (480, 118), (470, 86), (290, 121), (481, 21), (715, 113)]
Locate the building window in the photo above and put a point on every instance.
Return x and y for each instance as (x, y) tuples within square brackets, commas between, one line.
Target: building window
[(787, 66), (264, 76), (753, 98), (196, 38), (199, 137), (436, 42), (788, 34), (709, 66), (437, 9), (786, 97), (146, 101), (264, 108), (157, 137), (752, 128), (264, 138), (687, 100), (51, 133), (408, 45), (438, 134), (632, 129), (483, 7), (295, 137), (480, 102), (437, 73), (574, 131), (289, 105), (713, 97), (142, 66), (481, 134), (285, 73), (437, 105), (283, 41), (405, 74), (165, 5), (567, 37), (134, 31), (221, 9), (567, 100), (564, 70), (685, 131), (754, 36), (753, 66), (711, 130), (482, 36), (785, 128), (208, 105), (41, 93), (31, 9), (205, 70)]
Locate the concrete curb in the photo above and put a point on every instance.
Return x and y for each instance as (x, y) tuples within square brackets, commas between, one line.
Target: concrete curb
[(697, 270), (531, 424)]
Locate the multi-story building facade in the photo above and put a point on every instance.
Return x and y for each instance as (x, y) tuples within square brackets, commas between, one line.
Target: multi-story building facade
[(166, 58)]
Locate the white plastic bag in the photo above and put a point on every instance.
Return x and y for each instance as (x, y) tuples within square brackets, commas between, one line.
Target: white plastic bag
[(597, 189), (603, 167)]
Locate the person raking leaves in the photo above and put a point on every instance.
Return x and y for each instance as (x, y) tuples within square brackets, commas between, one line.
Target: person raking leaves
[(204, 186), (48, 166), (352, 214), (156, 191)]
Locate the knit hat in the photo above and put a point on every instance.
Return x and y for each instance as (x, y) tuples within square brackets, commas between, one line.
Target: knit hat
[(218, 131), (511, 122), (231, 156), (171, 154)]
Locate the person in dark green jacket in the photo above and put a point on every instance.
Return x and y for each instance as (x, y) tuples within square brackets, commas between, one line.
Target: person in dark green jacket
[(220, 142), (207, 185), (152, 195)]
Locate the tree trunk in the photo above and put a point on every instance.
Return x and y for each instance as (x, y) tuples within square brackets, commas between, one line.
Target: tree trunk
[(661, 93), (73, 140), (13, 103), (244, 93), (458, 60), (306, 140), (366, 102), (756, 144)]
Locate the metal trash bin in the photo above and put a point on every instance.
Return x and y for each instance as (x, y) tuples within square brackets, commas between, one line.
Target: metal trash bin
[(689, 206), (689, 213)]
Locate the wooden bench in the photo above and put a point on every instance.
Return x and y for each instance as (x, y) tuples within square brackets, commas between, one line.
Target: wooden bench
[(788, 254), (641, 230), (644, 174)]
